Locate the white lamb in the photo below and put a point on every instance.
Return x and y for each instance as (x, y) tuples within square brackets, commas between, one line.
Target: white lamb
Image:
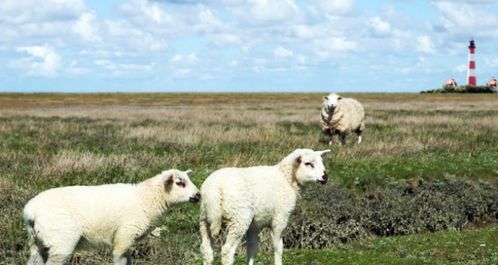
[(341, 116), (249, 199), (61, 220)]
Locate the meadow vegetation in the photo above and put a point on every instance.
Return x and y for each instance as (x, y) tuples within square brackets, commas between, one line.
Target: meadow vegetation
[(428, 163)]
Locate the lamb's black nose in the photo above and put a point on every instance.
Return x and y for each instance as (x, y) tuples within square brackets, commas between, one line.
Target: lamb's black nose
[(324, 179), (195, 198)]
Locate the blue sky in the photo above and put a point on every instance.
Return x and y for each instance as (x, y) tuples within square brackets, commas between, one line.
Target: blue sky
[(236, 45)]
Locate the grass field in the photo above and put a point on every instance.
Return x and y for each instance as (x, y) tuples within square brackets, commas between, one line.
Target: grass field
[(51, 140)]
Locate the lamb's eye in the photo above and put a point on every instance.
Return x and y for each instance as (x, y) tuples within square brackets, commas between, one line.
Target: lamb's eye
[(308, 164), (180, 184)]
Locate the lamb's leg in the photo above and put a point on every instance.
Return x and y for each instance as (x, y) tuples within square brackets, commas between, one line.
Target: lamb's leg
[(207, 242), (37, 256), (235, 234), (123, 240), (38, 253), (119, 258), (252, 243), (278, 244), (60, 252), (121, 246), (57, 238)]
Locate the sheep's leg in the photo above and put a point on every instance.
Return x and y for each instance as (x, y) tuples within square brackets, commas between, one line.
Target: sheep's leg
[(252, 243), (360, 131), (342, 140), (326, 136), (331, 138), (207, 242), (235, 234)]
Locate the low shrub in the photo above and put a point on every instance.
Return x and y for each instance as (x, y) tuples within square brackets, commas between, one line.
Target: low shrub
[(400, 208), (460, 89)]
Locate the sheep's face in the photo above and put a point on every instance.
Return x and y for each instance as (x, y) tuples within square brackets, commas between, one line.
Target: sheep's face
[(309, 166), (179, 187), (331, 100)]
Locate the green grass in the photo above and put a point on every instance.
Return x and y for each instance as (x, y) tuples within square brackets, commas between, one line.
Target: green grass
[(467, 247), (51, 140)]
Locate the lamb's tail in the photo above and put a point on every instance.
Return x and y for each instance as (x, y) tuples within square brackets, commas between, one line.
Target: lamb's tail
[(210, 222), (211, 211), (29, 223), (38, 253)]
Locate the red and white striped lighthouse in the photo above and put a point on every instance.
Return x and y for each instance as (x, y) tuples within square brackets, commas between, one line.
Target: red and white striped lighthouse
[(471, 73)]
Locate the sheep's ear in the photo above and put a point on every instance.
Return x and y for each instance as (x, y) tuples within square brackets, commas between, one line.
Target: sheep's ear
[(323, 152), (168, 182), (189, 172)]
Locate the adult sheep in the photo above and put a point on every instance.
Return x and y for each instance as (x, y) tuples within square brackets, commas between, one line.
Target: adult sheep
[(341, 116), (61, 220), (250, 199)]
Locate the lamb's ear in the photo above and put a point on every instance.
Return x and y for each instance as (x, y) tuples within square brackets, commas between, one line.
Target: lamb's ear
[(168, 182), (323, 152), (297, 160), (189, 172)]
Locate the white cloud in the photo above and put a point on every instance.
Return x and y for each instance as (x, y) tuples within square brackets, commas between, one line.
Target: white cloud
[(332, 7), (152, 18), (303, 31), (266, 11), (334, 46), (180, 72), (137, 38), (226, 39), (44, 61), (179, 58), (492, 63), (209, 22), (466, 19), (34, 11), (206, 77), (85, 28), (122, 69), (474, 2), (461, 68), (425, 44), (380, 27), (75, 69), (144, 11), (282, 52)]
